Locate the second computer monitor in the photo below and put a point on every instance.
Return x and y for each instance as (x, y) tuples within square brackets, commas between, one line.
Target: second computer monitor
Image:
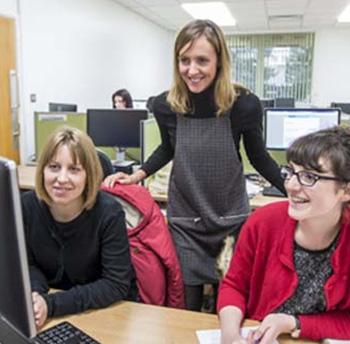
[(283, 126), (61, 107), (344, 107), (115, 127)]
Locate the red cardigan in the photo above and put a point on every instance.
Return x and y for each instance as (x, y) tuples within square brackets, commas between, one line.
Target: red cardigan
[(262, 275), (153, 254)]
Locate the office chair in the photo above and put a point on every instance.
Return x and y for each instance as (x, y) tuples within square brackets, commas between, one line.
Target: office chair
[(106, 163)]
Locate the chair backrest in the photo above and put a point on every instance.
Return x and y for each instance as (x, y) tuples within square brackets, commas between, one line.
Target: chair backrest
[(106, 163)]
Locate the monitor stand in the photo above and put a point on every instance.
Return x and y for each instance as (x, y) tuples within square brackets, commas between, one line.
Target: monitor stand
[(120, 164)]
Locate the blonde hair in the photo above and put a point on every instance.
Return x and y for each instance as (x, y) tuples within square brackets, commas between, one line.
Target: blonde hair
[(82, 150), (224, 91)]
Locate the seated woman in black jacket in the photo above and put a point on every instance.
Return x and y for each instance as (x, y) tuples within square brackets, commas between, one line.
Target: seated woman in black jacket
[(76, 234)]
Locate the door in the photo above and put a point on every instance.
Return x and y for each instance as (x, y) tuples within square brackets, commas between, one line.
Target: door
[(9, 132)]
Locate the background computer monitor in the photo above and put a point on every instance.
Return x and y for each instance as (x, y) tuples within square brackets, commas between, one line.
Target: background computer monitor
[(115, 127), (344, 107), (16, 311), (61, 107), (267, 103), (285, 102), (283, 126)]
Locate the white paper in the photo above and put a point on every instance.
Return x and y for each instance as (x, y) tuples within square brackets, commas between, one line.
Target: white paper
[(336, 341), (213, 336)]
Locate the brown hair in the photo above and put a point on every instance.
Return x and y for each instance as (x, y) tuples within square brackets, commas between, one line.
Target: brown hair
[(224, 92), (82, 150), (332, 144)]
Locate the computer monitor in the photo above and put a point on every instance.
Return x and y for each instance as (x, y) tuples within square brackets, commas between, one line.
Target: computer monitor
[(344, 107), (61, 107), (17, 323), (283, 126), (285, 103), (115, 127), (267, 103)]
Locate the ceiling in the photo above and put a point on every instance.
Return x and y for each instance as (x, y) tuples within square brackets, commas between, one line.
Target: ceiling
[(251, 15)]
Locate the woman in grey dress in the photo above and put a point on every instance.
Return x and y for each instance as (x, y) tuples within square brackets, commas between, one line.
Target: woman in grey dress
[(201, 120)]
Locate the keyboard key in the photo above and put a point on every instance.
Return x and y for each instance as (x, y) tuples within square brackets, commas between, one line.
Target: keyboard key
[(65, 333)]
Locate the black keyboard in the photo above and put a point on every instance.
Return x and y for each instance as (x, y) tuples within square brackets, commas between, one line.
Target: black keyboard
[(64, 333), (272, 191)]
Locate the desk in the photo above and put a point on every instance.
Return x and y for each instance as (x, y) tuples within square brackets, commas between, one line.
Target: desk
[(135, 323), (26, 175)]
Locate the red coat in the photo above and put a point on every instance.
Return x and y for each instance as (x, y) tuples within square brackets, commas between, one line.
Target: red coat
[(153, 254), (262, 275)]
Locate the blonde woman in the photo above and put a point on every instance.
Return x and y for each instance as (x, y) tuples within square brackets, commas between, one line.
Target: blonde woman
[(76, 235), (202, 120)]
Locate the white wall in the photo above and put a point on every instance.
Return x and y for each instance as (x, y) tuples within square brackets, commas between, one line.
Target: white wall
[(8, 8), (81, 51), (331, 73)]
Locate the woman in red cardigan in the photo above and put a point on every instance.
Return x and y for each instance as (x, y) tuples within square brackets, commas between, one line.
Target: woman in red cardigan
[(291, 266)]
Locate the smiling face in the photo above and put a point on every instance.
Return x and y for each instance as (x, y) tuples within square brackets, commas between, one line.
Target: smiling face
[(65, 181), (321, 202), (197, 62)]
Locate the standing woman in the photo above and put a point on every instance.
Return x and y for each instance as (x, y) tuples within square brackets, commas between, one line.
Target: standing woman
[(201, 120), (75, 233), (121, 99)]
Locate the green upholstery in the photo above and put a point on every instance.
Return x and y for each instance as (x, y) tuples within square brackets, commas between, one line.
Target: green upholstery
[(151, 140)]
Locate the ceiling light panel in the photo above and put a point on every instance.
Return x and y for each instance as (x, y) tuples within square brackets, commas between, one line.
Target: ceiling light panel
[(218, 12), (345, 15)]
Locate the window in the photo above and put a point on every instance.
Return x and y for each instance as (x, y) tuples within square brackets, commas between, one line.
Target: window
[(274, 66)]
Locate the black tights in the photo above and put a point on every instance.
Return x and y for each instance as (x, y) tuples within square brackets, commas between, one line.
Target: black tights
[(194, 297)]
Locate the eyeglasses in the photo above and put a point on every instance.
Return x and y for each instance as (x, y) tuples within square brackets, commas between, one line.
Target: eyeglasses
[(304, 178)]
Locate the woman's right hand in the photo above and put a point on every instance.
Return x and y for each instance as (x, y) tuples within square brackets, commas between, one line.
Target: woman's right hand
[(123, 178), (119, 177)]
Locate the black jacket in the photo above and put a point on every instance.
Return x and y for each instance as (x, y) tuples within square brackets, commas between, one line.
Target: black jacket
[(87, 257)]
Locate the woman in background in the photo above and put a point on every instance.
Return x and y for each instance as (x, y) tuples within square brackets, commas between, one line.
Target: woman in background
[(76, 235), (202, 120), (291, 265), (121, 99)]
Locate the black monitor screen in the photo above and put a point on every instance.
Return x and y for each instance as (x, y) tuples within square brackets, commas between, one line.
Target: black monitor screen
[(16, 311), (285, 102), (115, 127), (61, 107), (267, 103), (283, 126), (344, 107)]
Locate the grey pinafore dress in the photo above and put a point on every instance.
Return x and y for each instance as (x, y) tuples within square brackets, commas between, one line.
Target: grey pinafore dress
[(207, 194)]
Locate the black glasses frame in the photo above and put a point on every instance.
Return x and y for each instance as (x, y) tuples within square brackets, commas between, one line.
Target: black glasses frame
[(315, 177)]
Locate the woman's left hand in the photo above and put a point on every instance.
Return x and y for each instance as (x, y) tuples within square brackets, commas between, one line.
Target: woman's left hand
[(40, 309), (271, 327)]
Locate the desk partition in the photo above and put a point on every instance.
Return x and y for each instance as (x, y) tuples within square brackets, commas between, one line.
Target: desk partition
[(46, 122)]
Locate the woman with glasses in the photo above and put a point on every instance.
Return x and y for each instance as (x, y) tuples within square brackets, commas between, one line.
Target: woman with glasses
[(291, 266)]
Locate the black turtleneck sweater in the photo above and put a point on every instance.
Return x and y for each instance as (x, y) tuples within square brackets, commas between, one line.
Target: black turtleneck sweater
[(246, 123)]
